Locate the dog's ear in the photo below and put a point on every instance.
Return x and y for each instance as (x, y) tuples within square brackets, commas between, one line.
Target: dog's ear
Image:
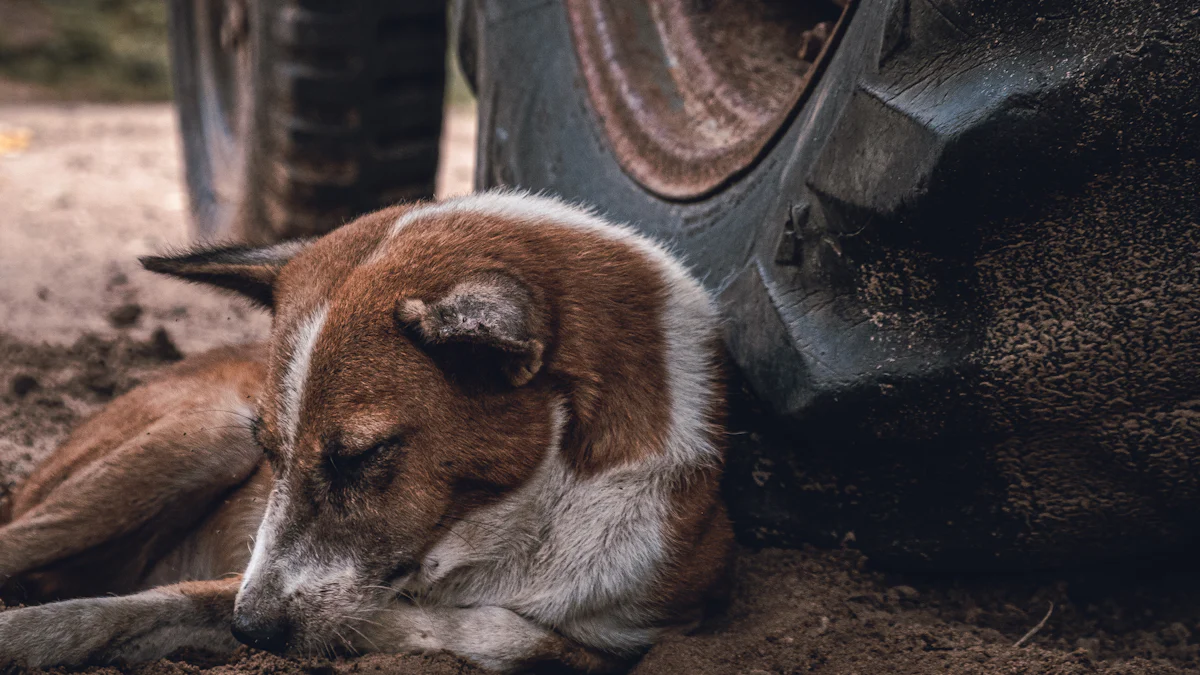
[(246, 270), (493, 314)]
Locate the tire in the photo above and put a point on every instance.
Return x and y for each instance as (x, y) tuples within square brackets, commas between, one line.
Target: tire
[(298, 115), (959, 279)]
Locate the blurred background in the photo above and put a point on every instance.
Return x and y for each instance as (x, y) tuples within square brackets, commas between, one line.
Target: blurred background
[(91, 177), (109, 50), (103, 50)]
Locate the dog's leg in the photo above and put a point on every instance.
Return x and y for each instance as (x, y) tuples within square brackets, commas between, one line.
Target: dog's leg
[(493, 637), (139, 627), (172, 471)]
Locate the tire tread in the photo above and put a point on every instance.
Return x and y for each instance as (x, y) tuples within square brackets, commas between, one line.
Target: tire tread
[(358, 98)]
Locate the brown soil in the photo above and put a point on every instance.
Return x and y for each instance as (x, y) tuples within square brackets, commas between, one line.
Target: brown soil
[(100, 185)]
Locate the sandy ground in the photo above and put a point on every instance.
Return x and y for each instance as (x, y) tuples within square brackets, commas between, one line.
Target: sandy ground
[(80, 323)]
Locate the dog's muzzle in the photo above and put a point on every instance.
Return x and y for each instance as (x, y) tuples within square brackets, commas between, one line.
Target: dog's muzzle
[(269, 633)]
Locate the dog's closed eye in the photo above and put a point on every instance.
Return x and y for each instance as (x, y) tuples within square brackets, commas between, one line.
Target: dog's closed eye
[(345, 466)]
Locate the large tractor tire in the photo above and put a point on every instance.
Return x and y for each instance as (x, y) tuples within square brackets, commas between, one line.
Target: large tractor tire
[(297, 115), (956, 242)]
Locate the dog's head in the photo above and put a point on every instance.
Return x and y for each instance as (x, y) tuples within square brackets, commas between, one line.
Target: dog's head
[(406, 388)]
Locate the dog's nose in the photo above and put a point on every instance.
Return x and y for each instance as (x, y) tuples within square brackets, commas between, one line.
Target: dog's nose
[(269, 634)]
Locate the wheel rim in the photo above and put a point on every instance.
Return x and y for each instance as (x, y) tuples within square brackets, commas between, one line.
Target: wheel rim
[(224, 78), (225, 34), (691, 94)]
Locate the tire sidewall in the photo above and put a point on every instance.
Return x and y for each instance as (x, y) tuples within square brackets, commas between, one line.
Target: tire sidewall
[(222, 167)]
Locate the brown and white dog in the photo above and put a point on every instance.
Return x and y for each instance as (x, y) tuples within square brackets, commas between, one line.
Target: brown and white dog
[(490, 426)]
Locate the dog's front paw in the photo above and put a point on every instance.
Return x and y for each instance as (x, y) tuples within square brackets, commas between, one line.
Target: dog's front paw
[(404, 628), (57, 634), (21, 640), (9, 641)]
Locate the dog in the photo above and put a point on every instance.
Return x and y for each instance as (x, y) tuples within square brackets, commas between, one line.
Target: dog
[(490, 426)]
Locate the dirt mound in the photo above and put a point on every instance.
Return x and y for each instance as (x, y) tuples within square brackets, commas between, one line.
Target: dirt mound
[(808, 610)]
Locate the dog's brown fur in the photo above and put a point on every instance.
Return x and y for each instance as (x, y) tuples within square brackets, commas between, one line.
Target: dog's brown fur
[(415, 378)]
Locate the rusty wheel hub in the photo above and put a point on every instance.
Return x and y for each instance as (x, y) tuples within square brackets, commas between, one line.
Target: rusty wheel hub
[(691, 92)]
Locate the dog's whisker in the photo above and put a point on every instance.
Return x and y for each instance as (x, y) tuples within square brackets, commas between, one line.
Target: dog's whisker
[(178, 434), (460, 536), (362, 619), (346, 643), (218, 410), (360, 633), (490, 528), (226, 426)]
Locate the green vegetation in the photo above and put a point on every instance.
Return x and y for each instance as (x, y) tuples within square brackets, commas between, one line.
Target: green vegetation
[(106, 50), (87, 49)]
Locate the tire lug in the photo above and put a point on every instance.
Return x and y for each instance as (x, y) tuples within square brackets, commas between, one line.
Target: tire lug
[(790, 247), (813, 40), (234, 24)]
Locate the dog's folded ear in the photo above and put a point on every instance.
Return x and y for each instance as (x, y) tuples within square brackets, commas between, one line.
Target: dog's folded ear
[(494, 314), (249, 271)]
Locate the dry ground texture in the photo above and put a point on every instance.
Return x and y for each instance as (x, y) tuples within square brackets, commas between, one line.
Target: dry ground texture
[(95, 186)]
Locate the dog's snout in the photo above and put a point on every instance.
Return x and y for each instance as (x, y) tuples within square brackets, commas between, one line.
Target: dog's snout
[(271, 634)]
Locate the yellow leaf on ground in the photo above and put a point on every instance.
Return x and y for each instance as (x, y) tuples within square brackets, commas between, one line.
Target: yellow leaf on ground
[(13, 141)]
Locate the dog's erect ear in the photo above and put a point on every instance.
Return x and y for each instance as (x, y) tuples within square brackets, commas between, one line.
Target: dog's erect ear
[(494, 313), (246, 270)]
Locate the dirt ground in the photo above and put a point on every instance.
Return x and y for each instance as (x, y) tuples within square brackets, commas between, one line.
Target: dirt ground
[(80, 323)]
